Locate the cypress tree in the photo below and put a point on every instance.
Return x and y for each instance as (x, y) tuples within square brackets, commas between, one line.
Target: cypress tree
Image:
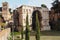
[(27, 36), (22, 33), (37, 28)]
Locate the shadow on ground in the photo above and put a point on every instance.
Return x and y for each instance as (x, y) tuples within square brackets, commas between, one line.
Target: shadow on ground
[(50, 33), (47, 33)]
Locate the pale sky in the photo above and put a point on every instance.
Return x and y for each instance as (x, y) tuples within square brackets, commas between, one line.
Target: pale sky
[(16, 3)]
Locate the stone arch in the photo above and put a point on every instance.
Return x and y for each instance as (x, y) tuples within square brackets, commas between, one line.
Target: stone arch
[(34, 18)]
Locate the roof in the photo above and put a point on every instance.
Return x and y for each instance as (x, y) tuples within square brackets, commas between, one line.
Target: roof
[(5, 3), (28, 6)]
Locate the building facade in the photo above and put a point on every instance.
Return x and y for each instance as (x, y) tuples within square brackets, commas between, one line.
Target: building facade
[(45, 18), (24, 10)]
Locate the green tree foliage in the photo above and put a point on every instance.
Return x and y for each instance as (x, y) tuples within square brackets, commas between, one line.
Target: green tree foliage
[(27, 29), (56, 6), (55, 2), (37, 28), (43, 5), (55, 25)]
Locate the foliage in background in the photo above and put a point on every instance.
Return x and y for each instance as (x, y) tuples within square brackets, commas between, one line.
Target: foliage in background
[(43, 5)]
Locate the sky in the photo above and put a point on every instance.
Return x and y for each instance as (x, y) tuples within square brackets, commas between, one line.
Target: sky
[(16, 3)]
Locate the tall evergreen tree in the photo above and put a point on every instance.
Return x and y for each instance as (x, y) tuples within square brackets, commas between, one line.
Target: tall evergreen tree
[(37, 28), (27, 29), (22, 33)]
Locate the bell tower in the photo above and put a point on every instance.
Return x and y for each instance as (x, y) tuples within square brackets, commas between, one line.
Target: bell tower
[(5, 11)]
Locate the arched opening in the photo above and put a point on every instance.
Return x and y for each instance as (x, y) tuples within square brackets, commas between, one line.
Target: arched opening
[(34, 19)]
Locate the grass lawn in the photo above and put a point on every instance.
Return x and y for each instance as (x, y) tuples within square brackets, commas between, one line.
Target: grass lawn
[(46, 38), (48, 35), (45, 35)]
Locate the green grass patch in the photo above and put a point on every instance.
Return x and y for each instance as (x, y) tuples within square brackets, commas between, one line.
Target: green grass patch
[(15, 33)]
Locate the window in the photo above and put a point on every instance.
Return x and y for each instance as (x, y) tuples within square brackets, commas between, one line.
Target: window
[(4, 4), (24, 10), (5, 8), (30, 20), (24, 21), (29, 11)]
